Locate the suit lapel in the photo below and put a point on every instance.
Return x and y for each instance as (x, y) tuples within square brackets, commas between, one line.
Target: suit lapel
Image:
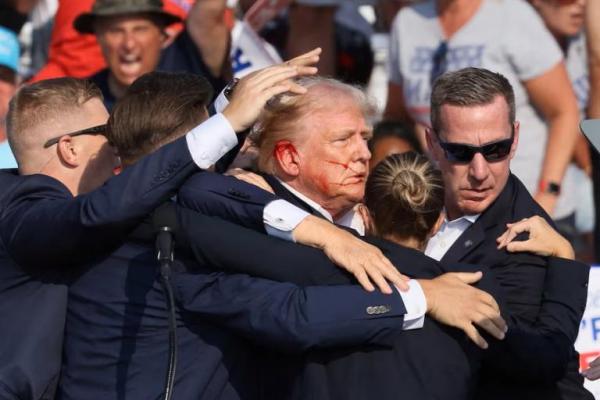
[(465, 244), (489, 219), (282, 192)]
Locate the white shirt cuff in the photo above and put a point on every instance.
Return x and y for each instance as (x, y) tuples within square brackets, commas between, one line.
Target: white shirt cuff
[(211, 140), (281, 218), (221, 102), (415, 304)]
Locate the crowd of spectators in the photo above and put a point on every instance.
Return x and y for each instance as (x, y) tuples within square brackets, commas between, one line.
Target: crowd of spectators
[(536, 62), (539, 45)]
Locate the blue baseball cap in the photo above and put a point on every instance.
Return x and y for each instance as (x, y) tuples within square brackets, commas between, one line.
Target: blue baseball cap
[(9, 49)]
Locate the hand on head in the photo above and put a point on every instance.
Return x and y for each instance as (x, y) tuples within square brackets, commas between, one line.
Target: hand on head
[(253, 91)]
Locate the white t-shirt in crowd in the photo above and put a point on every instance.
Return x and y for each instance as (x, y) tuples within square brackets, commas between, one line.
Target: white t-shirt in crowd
[(505, 36)]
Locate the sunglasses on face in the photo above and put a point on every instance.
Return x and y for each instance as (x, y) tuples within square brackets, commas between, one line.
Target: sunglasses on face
[(459, 153), (94, 130)]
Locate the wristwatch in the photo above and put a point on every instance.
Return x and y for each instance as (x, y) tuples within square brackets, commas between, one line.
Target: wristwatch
[(549, 187), (228, 91)]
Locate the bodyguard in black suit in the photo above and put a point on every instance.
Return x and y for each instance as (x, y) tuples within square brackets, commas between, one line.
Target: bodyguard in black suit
[(473, 137), (40, 223), (530, 286)]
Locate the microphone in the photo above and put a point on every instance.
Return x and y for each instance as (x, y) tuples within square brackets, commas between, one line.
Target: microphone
[(164, 220)]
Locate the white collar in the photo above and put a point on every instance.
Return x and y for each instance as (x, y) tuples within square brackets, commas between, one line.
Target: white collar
[(350, 219), (308, 201)]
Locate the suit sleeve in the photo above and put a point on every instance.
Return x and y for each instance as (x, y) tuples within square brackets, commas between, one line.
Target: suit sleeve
[(211, 241), (42, 222), (540, 348), (287, 317), (226, 197)]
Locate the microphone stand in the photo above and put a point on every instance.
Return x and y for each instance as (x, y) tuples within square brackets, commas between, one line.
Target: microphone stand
[(164, 247)]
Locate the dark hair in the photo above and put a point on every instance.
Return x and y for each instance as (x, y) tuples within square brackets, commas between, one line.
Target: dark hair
[(469, 87), (405, 196), (156, 109), (395, 129)]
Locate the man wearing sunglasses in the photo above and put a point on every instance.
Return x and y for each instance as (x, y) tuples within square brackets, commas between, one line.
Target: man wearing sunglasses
[(60, 209), (473, 137)]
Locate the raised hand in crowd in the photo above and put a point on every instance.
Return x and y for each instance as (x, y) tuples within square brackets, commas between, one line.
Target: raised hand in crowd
[(543, 239), (452, 300), (252, 92)]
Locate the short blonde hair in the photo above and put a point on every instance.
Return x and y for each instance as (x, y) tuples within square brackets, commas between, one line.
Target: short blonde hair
[(286, 115), (40, 102)]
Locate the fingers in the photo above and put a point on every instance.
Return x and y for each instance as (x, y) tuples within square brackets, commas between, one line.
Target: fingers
[(467, 277), (309, 58), (591, 373), (492, 323), (376, 276), (474, 335), (272, 75), (514, 247), (363, 279)]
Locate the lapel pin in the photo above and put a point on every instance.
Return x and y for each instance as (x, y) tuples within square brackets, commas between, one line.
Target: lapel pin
[(469, 243)]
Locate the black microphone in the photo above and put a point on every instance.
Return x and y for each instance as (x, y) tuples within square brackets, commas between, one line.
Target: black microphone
[(165, 221), (164, 250)]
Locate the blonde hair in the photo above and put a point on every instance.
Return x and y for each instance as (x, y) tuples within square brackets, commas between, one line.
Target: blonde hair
[(41, 102), (405, 195), (285, 116)]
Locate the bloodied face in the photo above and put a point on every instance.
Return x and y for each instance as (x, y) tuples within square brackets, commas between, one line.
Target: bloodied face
[(333, 157)]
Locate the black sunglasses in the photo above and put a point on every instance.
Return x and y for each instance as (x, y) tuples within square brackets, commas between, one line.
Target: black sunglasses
[(94, 130), (459, 153)]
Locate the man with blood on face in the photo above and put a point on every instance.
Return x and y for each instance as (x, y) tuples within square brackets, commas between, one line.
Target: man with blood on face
[(321, 153)]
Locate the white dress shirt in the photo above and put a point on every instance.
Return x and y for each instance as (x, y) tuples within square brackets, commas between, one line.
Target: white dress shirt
[(212, 139), (449, 233), (280, 215)]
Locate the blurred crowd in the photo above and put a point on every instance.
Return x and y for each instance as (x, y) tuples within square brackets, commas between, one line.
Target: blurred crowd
[(394, 49), (475, 109)]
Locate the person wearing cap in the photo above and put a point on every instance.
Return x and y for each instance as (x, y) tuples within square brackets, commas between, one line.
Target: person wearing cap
[(9, 59), (132, 37)]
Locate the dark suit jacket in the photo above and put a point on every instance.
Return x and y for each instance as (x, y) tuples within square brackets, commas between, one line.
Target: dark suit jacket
[(432, 362), (116, 344), (541, 295), (40, 222)]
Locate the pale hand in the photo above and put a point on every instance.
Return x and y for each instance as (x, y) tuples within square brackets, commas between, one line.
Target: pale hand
[(366, 262), (254, 90), (543, 239), (251, 178), (452, 301)]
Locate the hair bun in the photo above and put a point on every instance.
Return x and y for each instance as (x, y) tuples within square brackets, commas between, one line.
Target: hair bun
[(409, 187)]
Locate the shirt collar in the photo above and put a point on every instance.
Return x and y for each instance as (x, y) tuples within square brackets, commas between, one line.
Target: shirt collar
[(350, 219), (308, 201), (471, 218)]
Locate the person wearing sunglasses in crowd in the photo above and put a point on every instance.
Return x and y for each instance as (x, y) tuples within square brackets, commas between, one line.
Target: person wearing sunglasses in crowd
[(473, 138), (506, 36)]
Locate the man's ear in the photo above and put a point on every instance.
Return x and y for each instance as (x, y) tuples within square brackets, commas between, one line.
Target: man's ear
[(287, 157), (67, 152), (431, 143), (513, 148)]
